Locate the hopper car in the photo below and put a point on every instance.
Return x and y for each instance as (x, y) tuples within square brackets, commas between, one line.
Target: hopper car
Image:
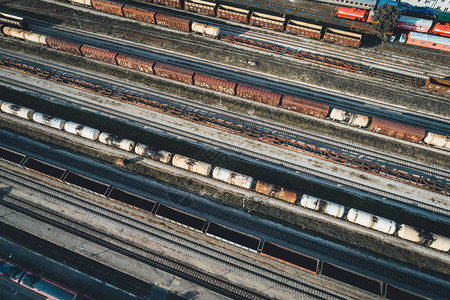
[(299, 105), (257, 245), (228, 176), (32, 281)]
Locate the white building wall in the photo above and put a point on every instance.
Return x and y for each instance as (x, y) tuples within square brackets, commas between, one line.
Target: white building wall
[(441, 5)]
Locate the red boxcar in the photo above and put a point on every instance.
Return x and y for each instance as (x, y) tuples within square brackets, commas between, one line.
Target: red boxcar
[(301, 28), (305, 106), (139, 14), (441, 29), (259, 95), (173, 22), (202, 7), (353, 13), (401, 131), (173, 3), (99, 54), (233, 13), (108, 6), (268, 21), (135, 63), (63, 45), (342, 37), (174, 73), (220, 85)]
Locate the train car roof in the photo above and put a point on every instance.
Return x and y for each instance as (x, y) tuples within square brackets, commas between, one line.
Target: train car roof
[(429, 37)]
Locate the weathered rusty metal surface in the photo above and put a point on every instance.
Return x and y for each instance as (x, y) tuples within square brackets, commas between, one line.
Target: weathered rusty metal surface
[(63, 45), (306, 29), (276, 191), (220, 85), (135, 63), (174, 73), (267, 21), (398, 130), (99, 54), (144, 15), (233, 13), (173, 22), (173, 3), (226, 125), (259, 95), (305, 106), (438, 84), (202, 7), (342, 37), (108, 6)]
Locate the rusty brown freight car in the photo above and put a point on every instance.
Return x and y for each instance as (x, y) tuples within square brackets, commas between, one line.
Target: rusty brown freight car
[(259, 95), (220, 85), (135, 63), (202, 7), (342, 37), (108, 6), (233, 13), (401, 131), (305, 106), (302, 28), (174, 73), (276, 191), (139, 14), (268, 21), (173, 22), (99, 54), (63, 45), (438, 84), (173, 3)]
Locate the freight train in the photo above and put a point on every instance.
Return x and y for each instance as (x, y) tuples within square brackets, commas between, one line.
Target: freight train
[(35, 282), (233, 178), (278, 23), (226, 234), (295, 104)]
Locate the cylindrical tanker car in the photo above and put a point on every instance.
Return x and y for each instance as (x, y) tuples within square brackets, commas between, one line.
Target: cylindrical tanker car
[(323, 206), (275, 191), (17, 110), (191, 164), (49, 120), (231, 177), (117, 142), (159, 155), (371, 221), (424, 238), (83, 131)]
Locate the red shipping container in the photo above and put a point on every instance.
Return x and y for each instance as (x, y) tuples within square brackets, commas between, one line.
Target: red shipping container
[(173, 22), (174, 73), (305, 106), (99, 54), (401, 131), (108, 6), (212, 83), (255, 94), (135, 63), (63, 45), (139, 14)]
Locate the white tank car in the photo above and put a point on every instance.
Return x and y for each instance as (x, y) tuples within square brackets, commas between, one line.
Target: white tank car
[(198, 28), (34, 37), (323, 206), (371, 221), (191, 164), (14, 32), (49, 120), (422, 237), (233, 178), (337, 114), (83, 131), (205, 29), (435, 139), (83, 2), (17, 110), (111, 140), (358, 120), (146, 151), (447, 145), (212, 31)]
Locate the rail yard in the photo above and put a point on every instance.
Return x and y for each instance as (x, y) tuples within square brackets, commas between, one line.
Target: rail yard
[(219, 150)]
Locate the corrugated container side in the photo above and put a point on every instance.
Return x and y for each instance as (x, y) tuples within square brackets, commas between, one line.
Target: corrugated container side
[(173, 3), (135, 63), (233, 13), (258, 95), (305, 106), (268, 21), (139, 14), (397, 130), (174, 73), (202, 7), (108, 6), (301, 28), (173, 22), (220, 85), (99, 54), (63, 45)]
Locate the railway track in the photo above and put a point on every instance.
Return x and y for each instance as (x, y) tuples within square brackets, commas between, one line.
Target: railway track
[(364, 106), (190, 116), (164, 237), (361, 260), (352, 150)]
